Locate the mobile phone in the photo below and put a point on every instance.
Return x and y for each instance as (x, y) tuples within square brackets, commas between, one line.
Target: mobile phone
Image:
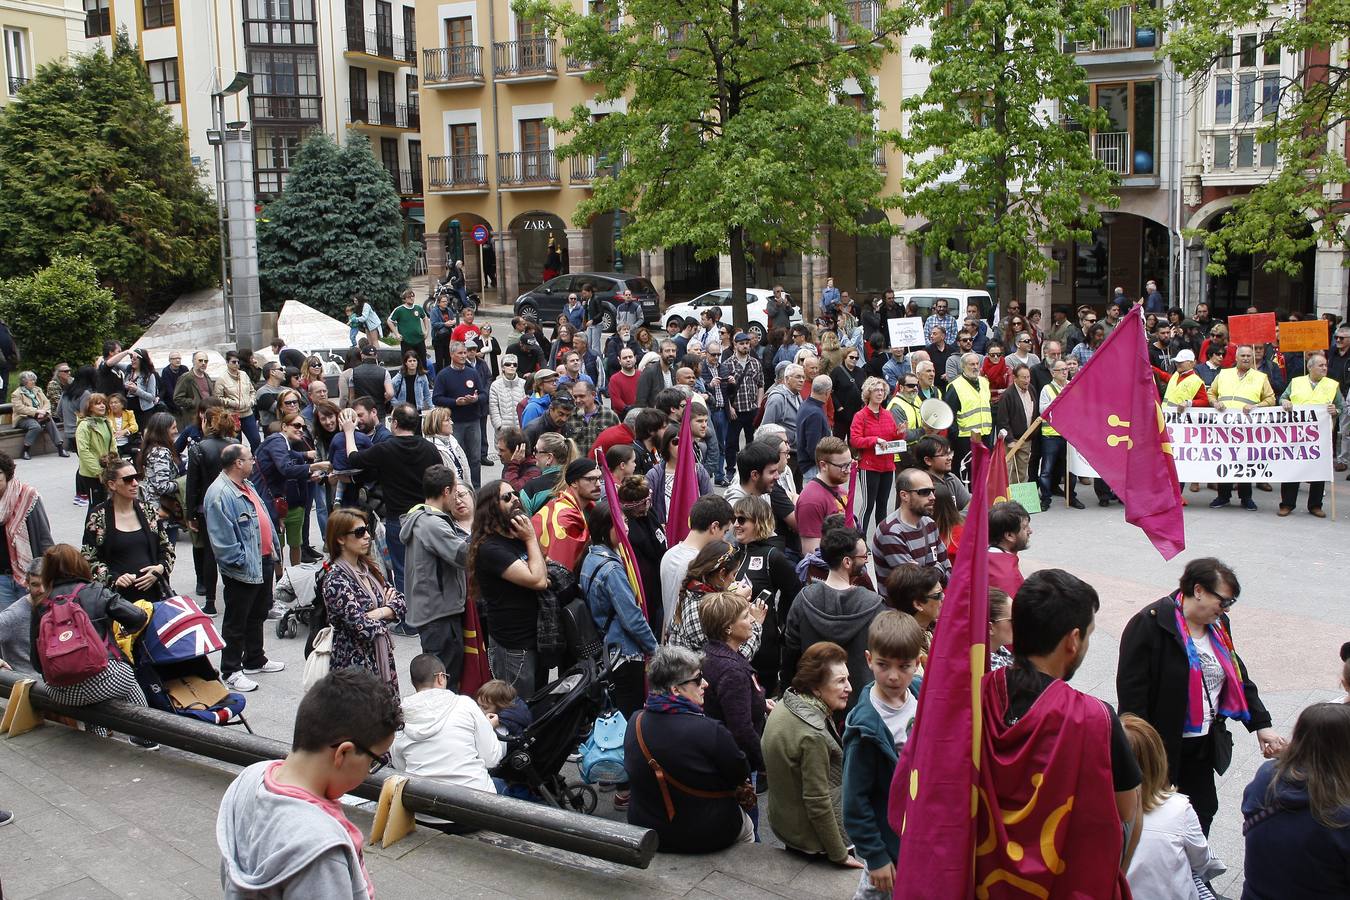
[(763, 597)]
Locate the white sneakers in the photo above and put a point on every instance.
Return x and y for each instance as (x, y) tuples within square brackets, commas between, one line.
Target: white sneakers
[(241, 683), (272, 665)]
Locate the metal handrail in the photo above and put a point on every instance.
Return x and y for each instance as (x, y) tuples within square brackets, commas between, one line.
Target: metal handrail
[(525, 57), (446, 65), (466, 171)]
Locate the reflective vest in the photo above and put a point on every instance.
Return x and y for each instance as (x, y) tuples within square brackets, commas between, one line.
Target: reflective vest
[(1302, 392), (909, 412), (1182, 388), (1046, 430), (1232, 391), (975, 415)]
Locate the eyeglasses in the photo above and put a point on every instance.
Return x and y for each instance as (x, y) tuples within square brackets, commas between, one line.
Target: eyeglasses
[(910, 385), (697, 679), (377, 760), (290, 402), (67, 371), (995, 355), (360, 531), (1024, 341), (589, 478), (935, 595), (925, 492), (841, 466), (865, 555), (1224, 602), (506, 364), (1091, 321)]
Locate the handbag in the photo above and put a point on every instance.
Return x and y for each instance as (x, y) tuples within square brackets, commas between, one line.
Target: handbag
[(320, 659), (743, 793)]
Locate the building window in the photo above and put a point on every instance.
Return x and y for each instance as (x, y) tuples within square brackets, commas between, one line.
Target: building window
[(389, 157), (97, 22), (285, 84), (16, 58), (164, 79), (157, 13), (1127, 143), (1255, 79), (274, 149), (282, 23)]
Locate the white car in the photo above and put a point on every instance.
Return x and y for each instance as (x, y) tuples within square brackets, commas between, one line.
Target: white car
[(756, 299)]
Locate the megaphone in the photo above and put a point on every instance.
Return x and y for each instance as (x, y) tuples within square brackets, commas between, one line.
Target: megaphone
[(936, 415)]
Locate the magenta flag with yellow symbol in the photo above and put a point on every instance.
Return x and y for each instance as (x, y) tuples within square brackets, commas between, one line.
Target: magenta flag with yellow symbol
[(936, 776), (621, 526), (998, 474), (1110, 413), (685, 490)]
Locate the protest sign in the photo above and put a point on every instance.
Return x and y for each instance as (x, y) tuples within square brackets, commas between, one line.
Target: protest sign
[(1079, 466), (1027, 494), (908, 332), (1267, 444), (1304, 336), (1257, 328)]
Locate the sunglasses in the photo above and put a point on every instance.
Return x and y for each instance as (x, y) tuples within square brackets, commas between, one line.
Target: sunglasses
[(936, 595), (741, 520), (910, 386), (129, 479), (361, 531), (697, 679), (507, 497), (291, 402), (925, 492)]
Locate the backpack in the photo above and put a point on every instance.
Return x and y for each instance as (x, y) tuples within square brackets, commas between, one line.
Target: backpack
[(68, 644), (562, 590), (602, 752)]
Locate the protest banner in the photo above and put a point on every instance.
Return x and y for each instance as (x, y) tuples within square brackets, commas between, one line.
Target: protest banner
[(1298, 337), (1267, 444), (1257, 328), (908, 332)]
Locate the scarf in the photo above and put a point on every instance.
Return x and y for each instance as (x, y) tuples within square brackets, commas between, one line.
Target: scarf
[(32, 396), (1232, 701), (15, 505), (382, 645), (637, 509), (671, 703)]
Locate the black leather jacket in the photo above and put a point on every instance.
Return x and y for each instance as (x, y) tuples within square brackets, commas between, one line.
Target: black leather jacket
[(103, 606), (203, 466)]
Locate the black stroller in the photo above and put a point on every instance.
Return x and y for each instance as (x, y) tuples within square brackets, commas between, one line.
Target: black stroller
[(563, 713)]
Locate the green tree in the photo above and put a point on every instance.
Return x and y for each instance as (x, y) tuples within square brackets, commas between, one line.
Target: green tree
[(999, 159), (92, 165), (731, 132), (1302, 111), (335, 231), (59, 313)]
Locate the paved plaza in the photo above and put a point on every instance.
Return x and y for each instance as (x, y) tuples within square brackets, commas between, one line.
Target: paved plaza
[(98, 818)]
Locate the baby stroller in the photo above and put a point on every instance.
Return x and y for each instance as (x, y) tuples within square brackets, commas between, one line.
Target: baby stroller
[(171, 662), (563, 713), (296, 593)]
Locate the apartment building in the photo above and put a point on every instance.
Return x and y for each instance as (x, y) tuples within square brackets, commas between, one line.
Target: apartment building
[(491, 81), (35, 32), (315, 65)]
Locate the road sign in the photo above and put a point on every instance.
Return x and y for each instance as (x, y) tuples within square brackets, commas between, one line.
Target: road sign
[(480, 234)]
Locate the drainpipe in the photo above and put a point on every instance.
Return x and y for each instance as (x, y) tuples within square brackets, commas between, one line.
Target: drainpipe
[(496, 140)]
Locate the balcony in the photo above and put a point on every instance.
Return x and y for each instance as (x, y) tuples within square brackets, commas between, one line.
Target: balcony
[(458, 174), (879, 157), (1120, 34), (379, 114), (576, 66), (1112, 149), (408, 182), (530, 170), (860, 13), (583, 170), (279, 107), (532, 59), (15, 84), (384, 46), (453, 67)]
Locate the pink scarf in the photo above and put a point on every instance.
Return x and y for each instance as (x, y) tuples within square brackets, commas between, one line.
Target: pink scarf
[(1232, 701), (15, 505)]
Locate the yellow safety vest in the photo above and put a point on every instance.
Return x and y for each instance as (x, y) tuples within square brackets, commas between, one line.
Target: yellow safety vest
[(1046, 430), (909, 410), (975, 415), (1182, 388), (1302, 392), (1233, 391)]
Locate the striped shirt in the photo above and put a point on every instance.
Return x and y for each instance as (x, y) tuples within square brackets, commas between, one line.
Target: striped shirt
[(896, 543)]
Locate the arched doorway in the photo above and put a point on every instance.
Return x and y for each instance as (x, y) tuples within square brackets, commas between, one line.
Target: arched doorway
[(1246, 283), (477, 260), (541, 242), (861, 263)]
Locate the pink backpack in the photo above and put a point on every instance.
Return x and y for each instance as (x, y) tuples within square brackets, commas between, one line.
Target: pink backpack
[(68, 644)]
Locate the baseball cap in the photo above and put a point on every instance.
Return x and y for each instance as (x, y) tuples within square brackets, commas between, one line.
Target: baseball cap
[(1184, 356)]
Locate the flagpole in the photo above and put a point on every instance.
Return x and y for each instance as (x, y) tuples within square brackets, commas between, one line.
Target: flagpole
[(1026, 435)]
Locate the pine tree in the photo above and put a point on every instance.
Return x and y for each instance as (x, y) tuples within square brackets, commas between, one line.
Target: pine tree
[(336, 231), (92, 165)]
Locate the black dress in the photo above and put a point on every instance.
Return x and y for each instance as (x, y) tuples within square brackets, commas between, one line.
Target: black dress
[(127, 552)]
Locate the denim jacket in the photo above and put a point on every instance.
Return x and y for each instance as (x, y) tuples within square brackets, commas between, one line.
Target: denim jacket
[(605, 586), (421, 391), (232, 526)]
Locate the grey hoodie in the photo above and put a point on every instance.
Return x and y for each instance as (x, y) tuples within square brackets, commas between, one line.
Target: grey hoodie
[(274, 846), (822, 613), (435, 554), (780, 408)]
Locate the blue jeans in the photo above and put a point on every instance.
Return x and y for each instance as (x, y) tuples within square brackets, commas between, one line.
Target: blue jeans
[(518, 668), (319, 495), (9, 590), (744, 422), (249, 426), (718, 463), (395, 545), (468, 436)]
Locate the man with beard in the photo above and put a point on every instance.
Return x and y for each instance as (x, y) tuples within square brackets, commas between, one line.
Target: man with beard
[(561, 524), (909, 535), (508, 566), (1037, 727), (659, 376), (1009, 535), (623, 384)]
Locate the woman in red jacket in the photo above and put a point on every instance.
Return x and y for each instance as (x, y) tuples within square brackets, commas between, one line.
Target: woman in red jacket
[(872, 425)]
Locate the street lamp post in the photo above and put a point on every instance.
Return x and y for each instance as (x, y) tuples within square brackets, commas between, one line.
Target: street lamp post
[(216, 138)]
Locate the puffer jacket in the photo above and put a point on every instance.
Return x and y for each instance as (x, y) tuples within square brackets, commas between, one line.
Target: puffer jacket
[(503, 399)]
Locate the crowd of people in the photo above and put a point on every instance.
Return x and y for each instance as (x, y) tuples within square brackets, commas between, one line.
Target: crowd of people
[(781, 641)]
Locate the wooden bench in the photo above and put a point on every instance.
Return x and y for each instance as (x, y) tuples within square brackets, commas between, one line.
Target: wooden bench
[(11, 436)]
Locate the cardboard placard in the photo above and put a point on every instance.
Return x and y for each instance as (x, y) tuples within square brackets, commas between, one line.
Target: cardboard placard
[(1298, 337), (906, 332), (1026, 493), (1258, 328)]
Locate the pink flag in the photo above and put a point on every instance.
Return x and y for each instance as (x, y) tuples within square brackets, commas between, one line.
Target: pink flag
[(998, 474), (621, 526), (852, 491), (685, 490), (935, 778), (1110, 414)]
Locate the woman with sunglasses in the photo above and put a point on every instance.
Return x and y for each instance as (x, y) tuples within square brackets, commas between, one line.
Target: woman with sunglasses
[(286, 461), (1180, 672), (661, 477), (235, 387), (358, 604), (916, 591), (313, 371), (766, 568), (125, 541), (848, 377)]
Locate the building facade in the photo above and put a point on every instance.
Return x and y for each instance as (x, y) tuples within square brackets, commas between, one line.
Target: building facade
[(36, 32)]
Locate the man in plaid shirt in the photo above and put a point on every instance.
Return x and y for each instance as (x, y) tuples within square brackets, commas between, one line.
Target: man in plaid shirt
[(743, 391), (589, 418), (939, 319)]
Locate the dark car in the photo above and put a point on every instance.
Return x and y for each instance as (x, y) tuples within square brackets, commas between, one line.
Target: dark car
[(546, 302)]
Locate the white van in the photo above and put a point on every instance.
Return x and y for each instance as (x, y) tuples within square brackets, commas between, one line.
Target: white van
[(956, 298)]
